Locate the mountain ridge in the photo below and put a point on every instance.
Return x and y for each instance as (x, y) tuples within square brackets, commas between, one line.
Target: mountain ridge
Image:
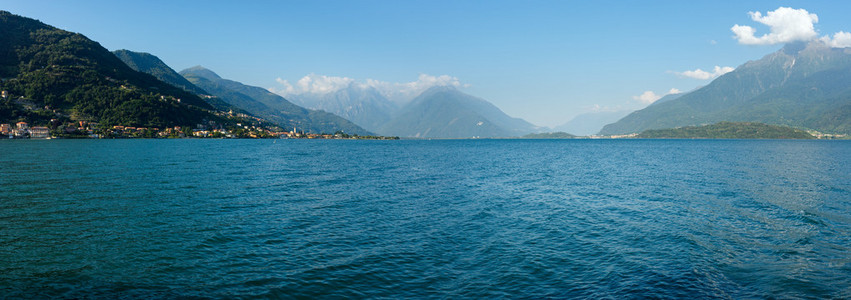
[(77, 79), (365, 107), (151, 64), (445, 112), (786, 87), (266, 104)]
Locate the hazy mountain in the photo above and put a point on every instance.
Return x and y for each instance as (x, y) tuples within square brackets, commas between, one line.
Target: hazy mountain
[(667, 98), (78, 79), (365, 107), (801, 85), (150, 64), (444, 112), (265, 104), (591, 123)]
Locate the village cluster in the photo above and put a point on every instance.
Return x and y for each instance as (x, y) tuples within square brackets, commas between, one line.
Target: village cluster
[(22, 130)]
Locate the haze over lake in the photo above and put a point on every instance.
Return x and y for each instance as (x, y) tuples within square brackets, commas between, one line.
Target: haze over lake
[(414, 218)]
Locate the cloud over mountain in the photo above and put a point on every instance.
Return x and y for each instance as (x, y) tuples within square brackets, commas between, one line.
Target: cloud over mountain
[(312, 83), (840, 39), (649, 97), (704, 75), (395, 91)]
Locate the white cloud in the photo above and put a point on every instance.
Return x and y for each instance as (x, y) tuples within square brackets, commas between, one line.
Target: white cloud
[(704, 75), (840, 39), (287, 87), (785, 24), (649, 97), (396, 91), (316, 84), (407, 90)]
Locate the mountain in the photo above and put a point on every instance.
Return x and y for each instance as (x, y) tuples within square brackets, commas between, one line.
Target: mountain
[(74, 78), (728, 130), (667, 98), (444, 112), (803, 85), (365, 107), (150, 64), (591, 123), (262, 103)]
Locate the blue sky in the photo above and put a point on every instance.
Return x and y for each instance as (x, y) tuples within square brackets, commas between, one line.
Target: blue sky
[(544, 61)]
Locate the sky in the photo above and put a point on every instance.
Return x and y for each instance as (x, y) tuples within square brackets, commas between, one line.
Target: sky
[(543, 61)]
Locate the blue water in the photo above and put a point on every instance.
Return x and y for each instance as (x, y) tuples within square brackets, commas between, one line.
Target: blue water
[(425, 219)]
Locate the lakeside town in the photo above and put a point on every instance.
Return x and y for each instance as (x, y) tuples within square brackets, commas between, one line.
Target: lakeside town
[(92, 130), (250, 127)]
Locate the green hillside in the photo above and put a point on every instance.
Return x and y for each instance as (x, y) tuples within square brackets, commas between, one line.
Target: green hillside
[(150, 64), (728, 130), (802, 85), (50, 73)]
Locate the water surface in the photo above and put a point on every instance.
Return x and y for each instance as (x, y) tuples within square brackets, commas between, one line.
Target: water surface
[(444, 219)]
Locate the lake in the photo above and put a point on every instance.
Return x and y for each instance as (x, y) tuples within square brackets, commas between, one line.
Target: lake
[(425, 219)]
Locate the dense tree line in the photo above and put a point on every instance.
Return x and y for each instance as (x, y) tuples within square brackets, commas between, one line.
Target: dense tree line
[(729, 130)]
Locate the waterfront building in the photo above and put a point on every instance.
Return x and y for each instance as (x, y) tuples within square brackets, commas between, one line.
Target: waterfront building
[(38, 132)]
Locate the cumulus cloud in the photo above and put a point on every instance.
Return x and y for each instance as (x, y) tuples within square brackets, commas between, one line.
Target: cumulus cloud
[(312, 83), (649, 97), (704, 75), (840, 39), (785, 25), (397, 91), (401, 91)]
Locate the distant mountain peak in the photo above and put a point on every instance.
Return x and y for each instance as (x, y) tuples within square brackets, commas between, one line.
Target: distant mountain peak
[(263, 103), (803, 85), (794, 48), (446, 112), (202, 72), (441, 89)]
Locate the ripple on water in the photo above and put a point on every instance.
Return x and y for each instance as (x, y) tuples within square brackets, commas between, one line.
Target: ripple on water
[(414, 219)]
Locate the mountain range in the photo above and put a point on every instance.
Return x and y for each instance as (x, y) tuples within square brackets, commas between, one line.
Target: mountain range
[(75, 79), (52, 74), (438, 112), (366, 107), (265, 104), (445, 112), (803, 85), (150, 64)]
